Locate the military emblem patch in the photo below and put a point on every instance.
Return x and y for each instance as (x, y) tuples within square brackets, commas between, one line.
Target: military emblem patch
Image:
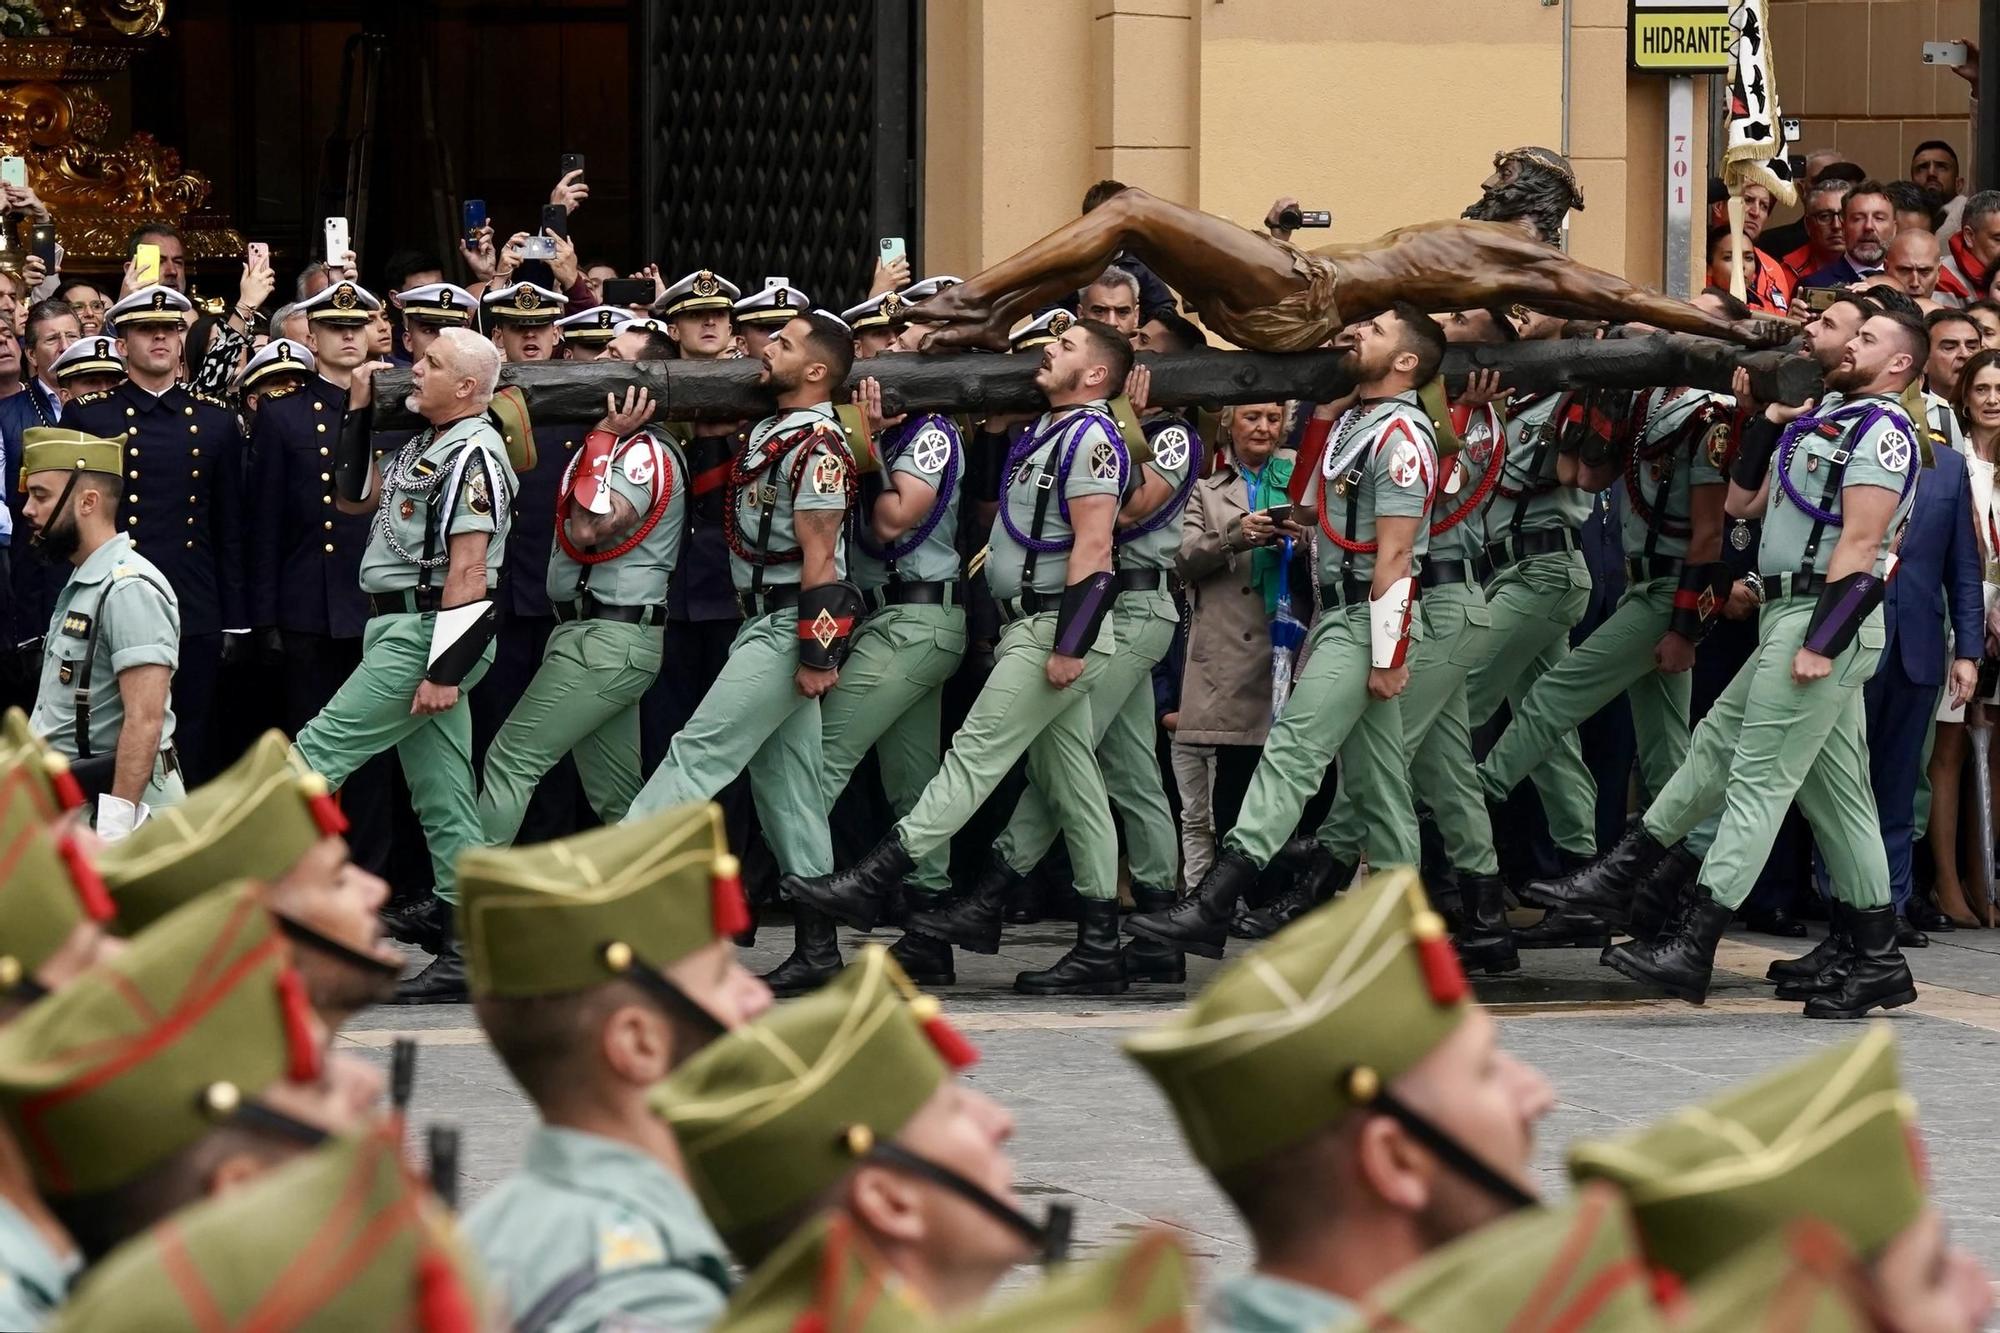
[(627, 1244), (705, 284), (1479, 441), (825, 629), (344, 297), (1171, 447), (930, 451), (1892, 450), (638, 466), (477, 497), (1718, 446), (408, 509), (76, 626), (1406, 465), (892, 305), (1103, 461), (829, 475), (1739, 535)]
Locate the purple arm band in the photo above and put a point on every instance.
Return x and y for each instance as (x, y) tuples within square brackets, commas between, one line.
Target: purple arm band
[(1084, 606), (1843, 605)]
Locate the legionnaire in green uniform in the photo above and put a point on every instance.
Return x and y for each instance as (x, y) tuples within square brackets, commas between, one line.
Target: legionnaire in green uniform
[(844, 1107), (190, 1060), (345, 1238), (1372, 496), (1362, 1002), (1578, 1267), (1790, 723), (600, 962), (1050, 568), (622, 509), (433, 561), (1832, 1137), (113, 643), (1669, 447), (790, 493), (269, 819), (1437, 734), (1142, 1287), (904, 558)]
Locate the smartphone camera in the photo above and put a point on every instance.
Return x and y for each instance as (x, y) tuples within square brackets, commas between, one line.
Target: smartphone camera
[(539, 247)]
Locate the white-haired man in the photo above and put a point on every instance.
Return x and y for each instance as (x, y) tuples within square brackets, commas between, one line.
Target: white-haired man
[(434, 553)]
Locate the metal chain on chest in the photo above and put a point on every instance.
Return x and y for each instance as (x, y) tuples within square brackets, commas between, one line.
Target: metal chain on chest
[(425, 489)]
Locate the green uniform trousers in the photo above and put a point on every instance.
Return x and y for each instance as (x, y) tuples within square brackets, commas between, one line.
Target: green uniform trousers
[(1122, 725), (1437, 738), (1768, 740), (584, 697), (754, 717), (370, 713), (1534, 603), (1018, 712), (888, 697), (1330, 708)]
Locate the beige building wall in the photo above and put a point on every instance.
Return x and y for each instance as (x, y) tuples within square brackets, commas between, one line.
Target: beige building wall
[(1387, 112)]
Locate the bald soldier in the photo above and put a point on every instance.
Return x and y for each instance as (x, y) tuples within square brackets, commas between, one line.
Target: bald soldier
[(1351, 1102), (832, 1139), (600, 963)]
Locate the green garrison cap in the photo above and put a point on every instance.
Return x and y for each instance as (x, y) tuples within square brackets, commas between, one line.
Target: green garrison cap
[(575, 913), (60, 449), (1143, 1288), (1303, 1029), (1802, 1280), (1575, 1268), (253, 821), (769, 1116), (47, 766), (1833, 1137), (825, 1277), (342, 1238), (131, 1062), (48, 886)]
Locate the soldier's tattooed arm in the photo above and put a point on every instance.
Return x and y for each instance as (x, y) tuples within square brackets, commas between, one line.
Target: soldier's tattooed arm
[(819, 538)]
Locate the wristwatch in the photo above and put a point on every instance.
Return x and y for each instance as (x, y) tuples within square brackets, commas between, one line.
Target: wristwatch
[(1755, 583)]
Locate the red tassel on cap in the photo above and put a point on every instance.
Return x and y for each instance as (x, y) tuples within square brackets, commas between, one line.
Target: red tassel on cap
[(69, 792), (951, 1044), (300, 1036), (731, 911), (1668, 1289), (326, 811), (442, 1305), (1439, 960), (90, 890), (812, 1321)]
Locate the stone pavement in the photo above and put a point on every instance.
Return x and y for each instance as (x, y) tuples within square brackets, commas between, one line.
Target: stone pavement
[(1091, 1129)]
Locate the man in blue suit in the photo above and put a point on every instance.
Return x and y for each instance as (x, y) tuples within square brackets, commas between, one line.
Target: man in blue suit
[(1938, 575)]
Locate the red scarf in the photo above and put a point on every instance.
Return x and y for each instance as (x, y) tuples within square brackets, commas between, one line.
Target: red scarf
[(1975, 273)]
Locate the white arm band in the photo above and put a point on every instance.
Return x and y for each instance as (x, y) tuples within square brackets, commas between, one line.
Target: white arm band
[(459, 637), (1389, 624)]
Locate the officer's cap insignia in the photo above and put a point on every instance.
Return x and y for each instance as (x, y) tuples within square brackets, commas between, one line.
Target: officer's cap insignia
[(705, 284), (892, 305), (160, 299), (1060, 321), (604, 318), (525, 299), (344, 298), (104, 347)]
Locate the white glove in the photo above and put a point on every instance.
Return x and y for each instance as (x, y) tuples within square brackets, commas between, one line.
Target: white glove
[(117, 817)]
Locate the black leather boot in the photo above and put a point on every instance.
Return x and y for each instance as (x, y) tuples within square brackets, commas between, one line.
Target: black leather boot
[(1024, 895), (1485, 942), (443, 979), (1199, 923), (1682, 960), (1818, 958), (423, 922), (815, 956), (1093, 965), (1606, 886), (1561, 928), (1833, 963), (1325, 875), (1875, 976), (926, 958), (1298, 898), (858, 896), (1656, 897), (1150, 960), (971, 920)]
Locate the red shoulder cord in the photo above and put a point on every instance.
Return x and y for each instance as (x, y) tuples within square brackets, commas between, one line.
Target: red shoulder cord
[(663, 491), (1699, 422), (741, 475), (1325, 519), (1479, 492)]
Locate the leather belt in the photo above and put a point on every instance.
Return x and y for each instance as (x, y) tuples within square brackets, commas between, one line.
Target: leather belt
[(170, 760), (587, 607), (1546, 541), (1029, 603), (406, 601), (1348, 591), (779, 597), (908, 594), (1792, 583), (1437, 573), (1140, 580), (1640, 569)]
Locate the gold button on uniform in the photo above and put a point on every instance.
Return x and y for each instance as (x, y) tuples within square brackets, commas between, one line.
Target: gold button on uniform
[(131, 520), (188, 410), (322, 452), (326, 476), (135, 453), (130, 412), (328, 525), (132, 499), (329, 548), (321, 428)]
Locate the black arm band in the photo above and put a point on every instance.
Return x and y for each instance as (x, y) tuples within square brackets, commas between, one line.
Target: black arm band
[(1606, 414), (459, 636), (1698, 601), (1084, 606), (828, 616), (1843, 605), (352, 464), (1753, 452)]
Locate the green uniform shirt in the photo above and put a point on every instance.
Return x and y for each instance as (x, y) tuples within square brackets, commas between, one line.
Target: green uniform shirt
[(925, 448), (644, 468), (33, 1280), (591, 1230), (1255, 1303), (1173, 457), (821, 472), (118, 593), (1656, 517), (439, 484), (1096, 465), (1484, 439), (1380, 461), (1882, 456), (1528, 483)]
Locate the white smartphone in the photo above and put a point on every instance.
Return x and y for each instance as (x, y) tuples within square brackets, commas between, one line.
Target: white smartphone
[(779, 281), (892, 250), (336, 241), (1945, 53), (14, 171)]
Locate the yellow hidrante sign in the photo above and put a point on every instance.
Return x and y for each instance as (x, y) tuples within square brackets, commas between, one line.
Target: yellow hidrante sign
[(1685, 37)]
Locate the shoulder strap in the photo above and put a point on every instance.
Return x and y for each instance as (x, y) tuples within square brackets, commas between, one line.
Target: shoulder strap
[(81, 697)]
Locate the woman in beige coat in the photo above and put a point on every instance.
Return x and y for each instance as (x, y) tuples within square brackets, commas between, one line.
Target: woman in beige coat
[(1226, 706)]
